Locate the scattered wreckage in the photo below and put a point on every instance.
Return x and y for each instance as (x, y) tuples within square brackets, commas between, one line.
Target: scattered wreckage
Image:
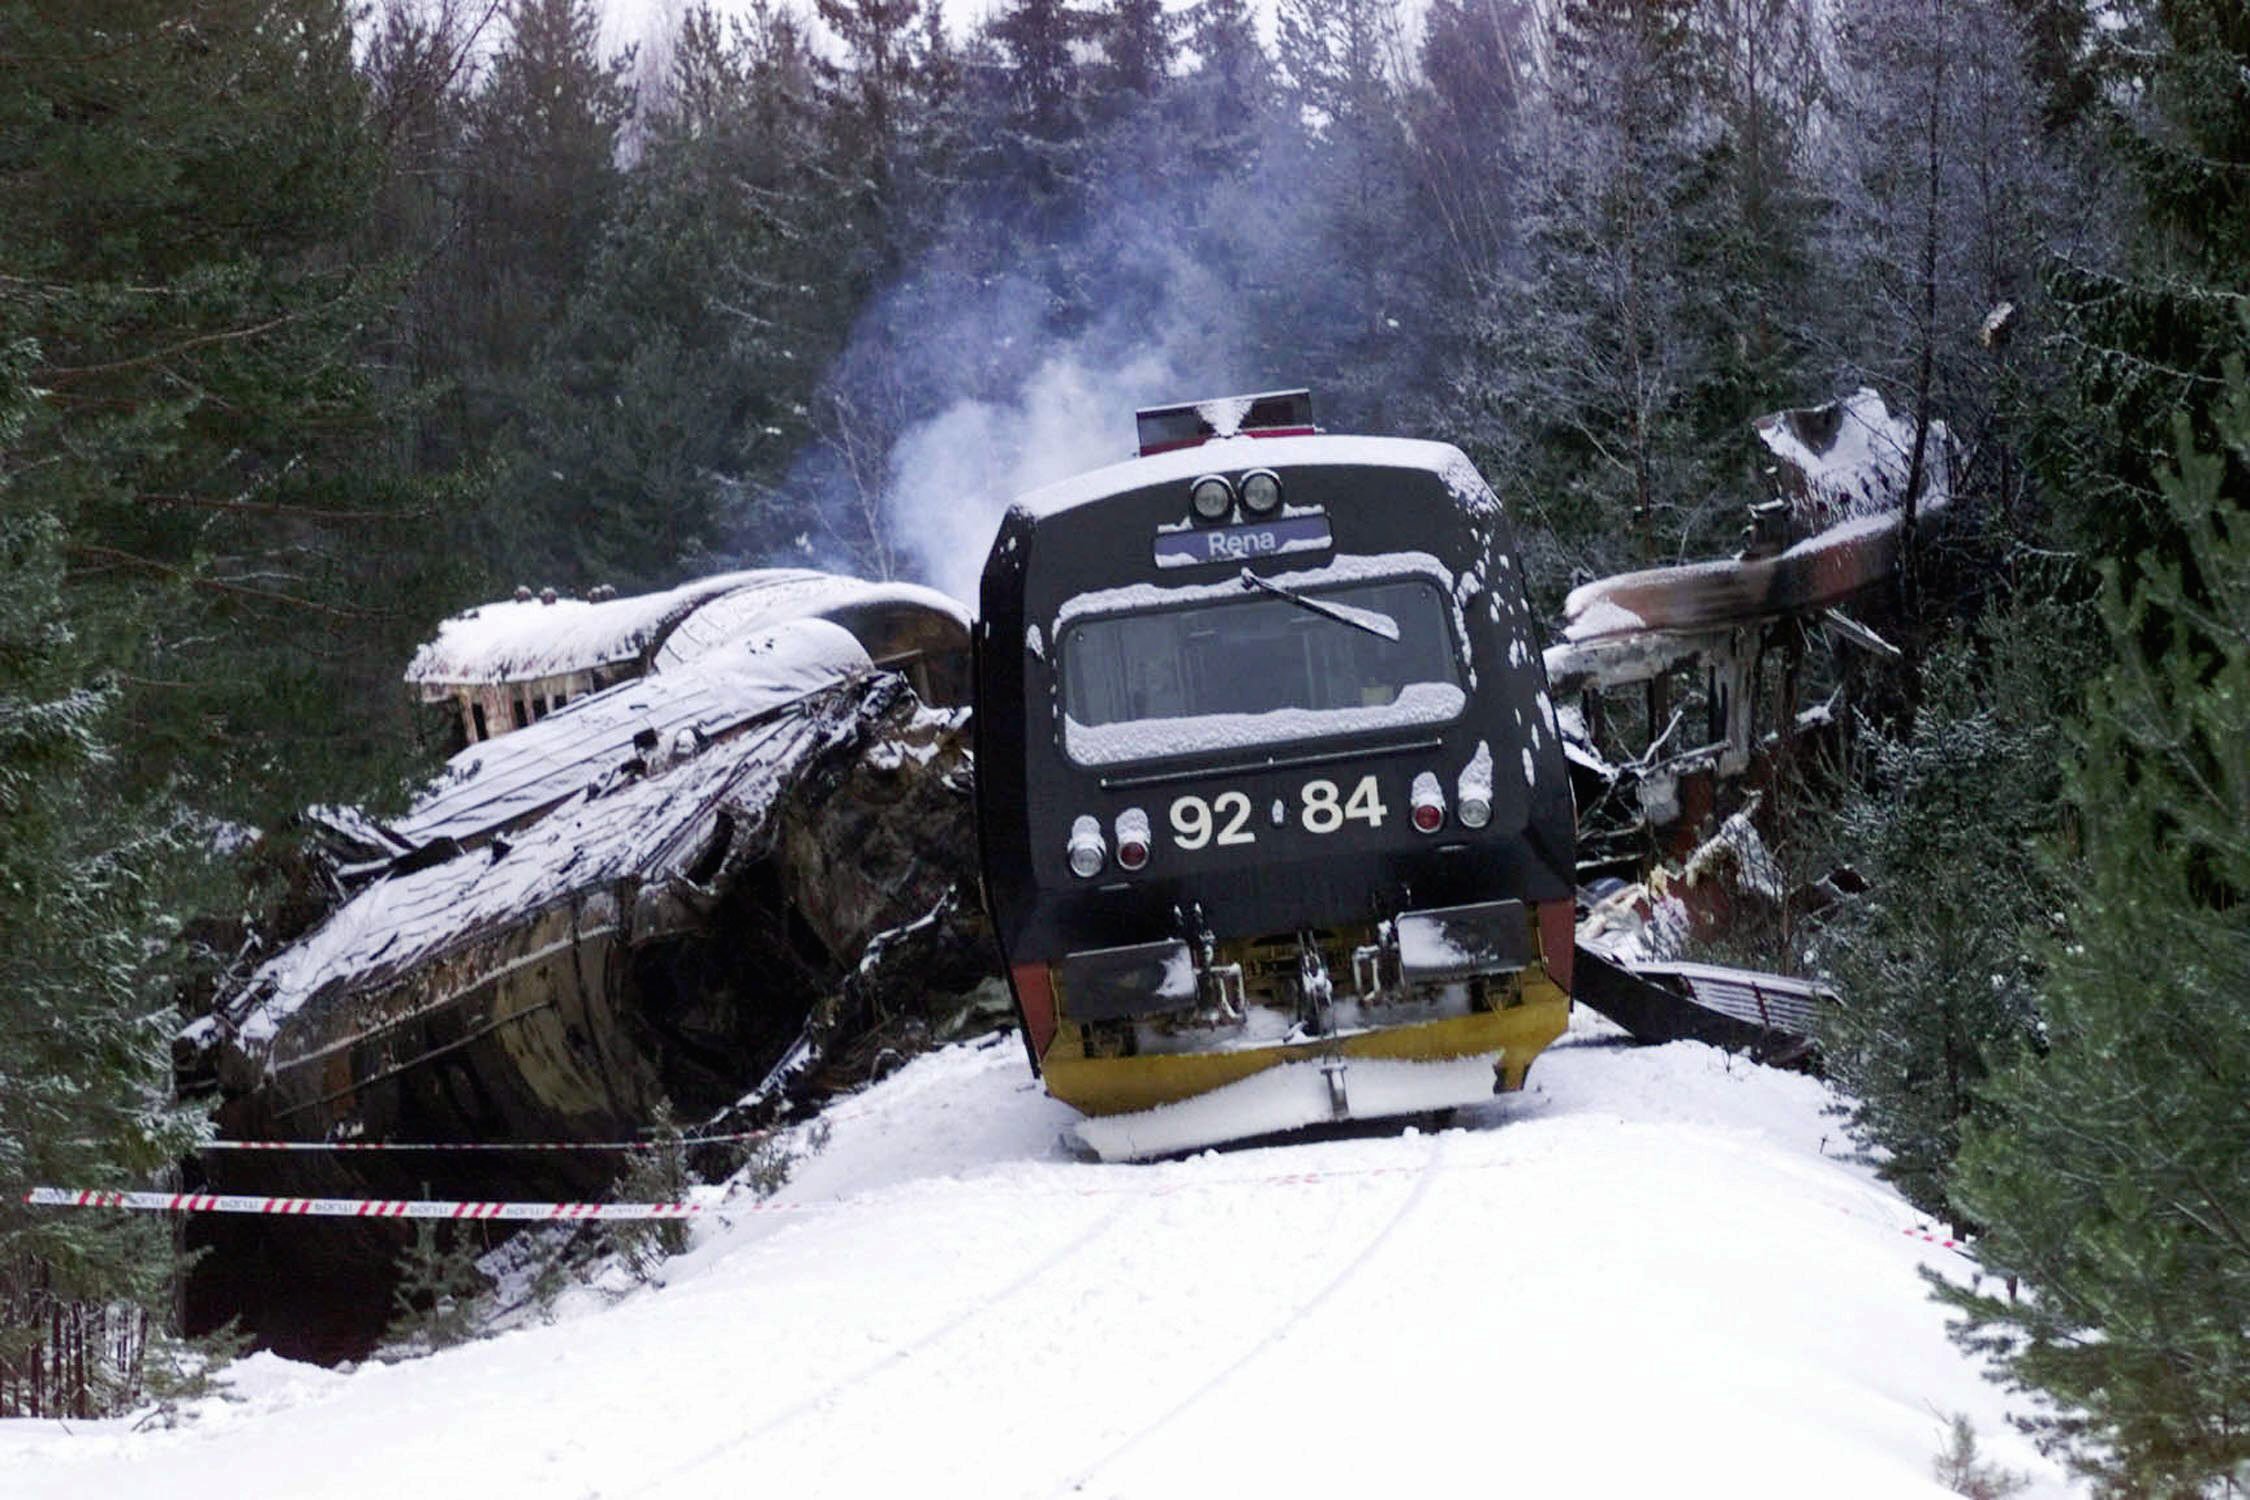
[(1677, 678), (693, 843), (1686, 694)]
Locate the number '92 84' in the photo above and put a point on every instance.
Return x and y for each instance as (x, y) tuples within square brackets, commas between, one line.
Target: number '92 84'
[(1322, 807)]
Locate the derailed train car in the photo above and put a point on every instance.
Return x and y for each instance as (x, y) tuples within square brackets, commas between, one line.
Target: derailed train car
[(1274, 819)]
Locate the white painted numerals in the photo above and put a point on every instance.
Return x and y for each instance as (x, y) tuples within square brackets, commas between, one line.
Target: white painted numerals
[(1235, 808), (1326, 807), (1322, 808), (1194, 820)]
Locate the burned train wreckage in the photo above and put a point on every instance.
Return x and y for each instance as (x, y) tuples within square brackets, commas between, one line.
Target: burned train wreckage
[(1674, 679), (690, 835), (693, 843), (1686, 694)]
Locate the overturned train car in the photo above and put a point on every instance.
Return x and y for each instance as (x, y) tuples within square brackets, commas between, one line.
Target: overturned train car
[(1274, 819), (638, 899)]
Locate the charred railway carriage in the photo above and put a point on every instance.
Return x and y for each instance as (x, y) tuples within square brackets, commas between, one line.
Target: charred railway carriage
[(1274, 818)]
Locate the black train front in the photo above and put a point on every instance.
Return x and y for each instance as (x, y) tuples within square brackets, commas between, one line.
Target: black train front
[(1274, 818)]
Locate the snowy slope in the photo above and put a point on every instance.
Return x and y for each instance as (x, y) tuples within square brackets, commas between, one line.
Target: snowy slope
[(1643, 1277)]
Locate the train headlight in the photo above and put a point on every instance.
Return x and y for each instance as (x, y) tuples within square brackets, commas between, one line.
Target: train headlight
[(1475, 812), (1261, 492), (1132, 839), (1086, 851), (1428, 802), (1212, 497)]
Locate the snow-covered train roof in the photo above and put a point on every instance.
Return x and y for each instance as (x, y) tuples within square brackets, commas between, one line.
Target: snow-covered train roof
[(524, 640), (781, 595), (1180, 465), (647, 829), (500, 782)]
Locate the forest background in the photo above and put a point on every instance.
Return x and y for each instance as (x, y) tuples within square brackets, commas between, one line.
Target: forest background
[(320, 321)]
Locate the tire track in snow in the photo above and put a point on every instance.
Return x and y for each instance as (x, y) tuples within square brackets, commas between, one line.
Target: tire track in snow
[(898, 1356), (1280, 1332)]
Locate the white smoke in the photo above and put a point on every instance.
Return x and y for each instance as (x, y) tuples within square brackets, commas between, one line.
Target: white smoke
[(970, 386), (952, 477)]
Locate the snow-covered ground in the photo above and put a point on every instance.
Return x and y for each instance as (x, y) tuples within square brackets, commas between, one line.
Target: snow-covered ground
[(1648, 1275)]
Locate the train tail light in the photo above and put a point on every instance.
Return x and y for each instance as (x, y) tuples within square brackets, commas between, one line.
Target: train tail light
[(1132, 839), (1429, 803), (1086, 852)]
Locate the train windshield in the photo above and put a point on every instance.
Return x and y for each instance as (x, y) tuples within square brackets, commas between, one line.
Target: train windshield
[(1257, 670)]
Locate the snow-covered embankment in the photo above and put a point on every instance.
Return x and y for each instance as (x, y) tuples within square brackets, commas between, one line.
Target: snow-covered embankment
[(1650, 1274)]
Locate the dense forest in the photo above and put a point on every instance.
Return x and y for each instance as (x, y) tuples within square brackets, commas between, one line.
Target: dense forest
[(319, 321)]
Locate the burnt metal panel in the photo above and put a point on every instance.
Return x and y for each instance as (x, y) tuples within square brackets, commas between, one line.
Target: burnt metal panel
[(1768, 1016)]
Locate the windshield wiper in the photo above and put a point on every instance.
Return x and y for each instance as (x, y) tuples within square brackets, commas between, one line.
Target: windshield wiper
[(1343, 614)]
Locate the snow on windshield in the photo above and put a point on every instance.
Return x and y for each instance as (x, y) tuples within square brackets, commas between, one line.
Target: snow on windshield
[(1420, 703)]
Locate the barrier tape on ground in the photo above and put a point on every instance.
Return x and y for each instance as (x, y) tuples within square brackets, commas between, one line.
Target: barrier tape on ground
[(1958, 1247), (404, 1208), (651, 1144), (355, 1208)]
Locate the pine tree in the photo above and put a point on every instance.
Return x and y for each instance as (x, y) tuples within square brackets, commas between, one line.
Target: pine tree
[(241, 550), (1593, 349), (2113, 1175), (1347, 280), (1952, 822), (2142, 333), (213, 562), (83, 1044)]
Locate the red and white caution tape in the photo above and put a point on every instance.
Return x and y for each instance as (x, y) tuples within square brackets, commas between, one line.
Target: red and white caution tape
[(354, 1208), (1958, 1247), (651, 1144)]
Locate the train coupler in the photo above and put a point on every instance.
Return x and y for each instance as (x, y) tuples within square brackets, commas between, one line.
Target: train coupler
[(1339, 1098)]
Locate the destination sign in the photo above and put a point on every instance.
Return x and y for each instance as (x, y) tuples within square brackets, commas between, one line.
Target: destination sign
[(1244, 543)]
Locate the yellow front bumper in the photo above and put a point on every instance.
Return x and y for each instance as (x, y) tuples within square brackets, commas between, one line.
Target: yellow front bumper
[(1513, 1036)]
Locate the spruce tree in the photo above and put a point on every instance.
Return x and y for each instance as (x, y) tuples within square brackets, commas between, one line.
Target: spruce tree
[(1046, 114), (1467, 126), (2112, 1178), (1345, 276), (180, 212), (1951, 821), (2142, 333), (212, 562), (541, 179), (869, 111), (1594, 350), (1136, 39), (665, 402)]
